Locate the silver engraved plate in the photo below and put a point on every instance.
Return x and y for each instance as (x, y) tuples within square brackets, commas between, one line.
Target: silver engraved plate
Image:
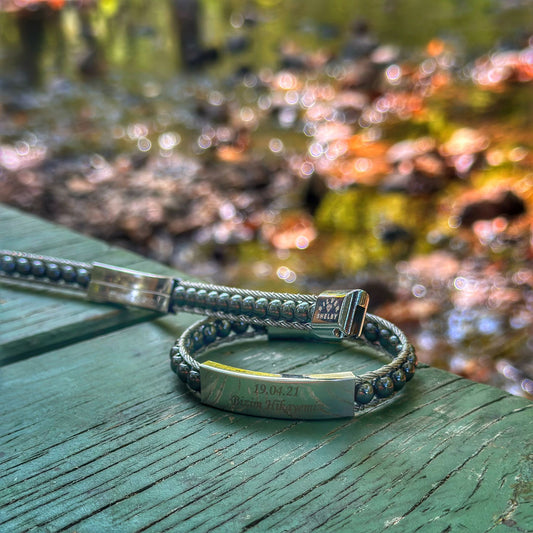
[(339, 314), (305, 397), (129, 287)]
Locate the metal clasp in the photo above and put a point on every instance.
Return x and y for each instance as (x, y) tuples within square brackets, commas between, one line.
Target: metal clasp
[(130, 287), (340, 314)]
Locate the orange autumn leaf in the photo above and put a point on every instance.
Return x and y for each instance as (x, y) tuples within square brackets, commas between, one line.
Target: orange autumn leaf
[(435, 47)]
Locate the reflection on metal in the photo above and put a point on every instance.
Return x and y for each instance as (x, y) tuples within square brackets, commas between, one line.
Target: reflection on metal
[(129, 287), (305, 397), (340, 314)]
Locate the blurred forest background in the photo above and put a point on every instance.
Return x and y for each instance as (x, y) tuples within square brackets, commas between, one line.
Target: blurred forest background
[(292, 146)]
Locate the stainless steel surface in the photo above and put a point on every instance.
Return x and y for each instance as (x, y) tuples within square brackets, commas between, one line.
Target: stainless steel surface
[(316, 396), (129, 287), (339, 314)]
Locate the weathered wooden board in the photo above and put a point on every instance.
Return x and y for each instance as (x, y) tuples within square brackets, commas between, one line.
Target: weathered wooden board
[(33, 321), (101, 436)]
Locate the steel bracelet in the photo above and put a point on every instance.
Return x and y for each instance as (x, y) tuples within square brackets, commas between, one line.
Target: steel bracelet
[(235, 314), (330, 315), (308, 396)]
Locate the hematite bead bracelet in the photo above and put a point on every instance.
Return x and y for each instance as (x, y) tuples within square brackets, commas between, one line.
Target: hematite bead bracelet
[(312, 396), (236, 314), (43, 270)]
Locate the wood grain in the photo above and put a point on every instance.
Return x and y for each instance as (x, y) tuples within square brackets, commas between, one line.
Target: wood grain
[(99, 435), (34, 321), (103, 437)]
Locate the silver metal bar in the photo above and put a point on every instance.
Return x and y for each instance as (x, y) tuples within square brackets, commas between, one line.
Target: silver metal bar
[(130, 287), (307, 397)]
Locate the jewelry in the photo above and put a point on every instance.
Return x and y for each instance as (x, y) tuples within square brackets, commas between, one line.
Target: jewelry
[(311, 396), (236, 314)]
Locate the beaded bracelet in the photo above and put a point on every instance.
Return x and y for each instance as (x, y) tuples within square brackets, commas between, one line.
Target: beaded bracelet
[(235, 314), (25, 268), (330, 315), (314, 396)]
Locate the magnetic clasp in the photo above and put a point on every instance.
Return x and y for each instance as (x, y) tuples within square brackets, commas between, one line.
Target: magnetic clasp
[(339, 314)]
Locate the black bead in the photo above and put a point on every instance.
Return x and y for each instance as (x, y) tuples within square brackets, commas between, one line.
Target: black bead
[(197, 339), (212, 300), (223, 328), (371, 332), (302, 312), (178, 296), (223, 302), (188, 344), (398, 379), (239, 326), (190, 297), (364, 392), (383, 387), (274, 309), (7, 264), (37, 268), (174, 350), (248, 305), (409, 370), (23, 266), (210, 333), (384, 336), (68, 273), (53, 272), (261, 307), (193, 380), (175, 361), (201, 298), (235, 304), (83, 277), (183, 371), (287, 310), (411, 358), (394, 342)]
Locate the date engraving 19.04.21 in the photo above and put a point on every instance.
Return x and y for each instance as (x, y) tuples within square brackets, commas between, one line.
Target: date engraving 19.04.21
[(277, 395)]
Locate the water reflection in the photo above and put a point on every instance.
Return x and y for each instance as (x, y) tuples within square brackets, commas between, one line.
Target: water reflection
[(286, 147)]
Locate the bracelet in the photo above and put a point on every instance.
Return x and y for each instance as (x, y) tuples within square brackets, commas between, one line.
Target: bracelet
[(330, 315), (312, 396), (236, 314)]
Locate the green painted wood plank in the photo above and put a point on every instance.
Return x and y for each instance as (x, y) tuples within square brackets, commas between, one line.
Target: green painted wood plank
[(101, 436), (34, 321)]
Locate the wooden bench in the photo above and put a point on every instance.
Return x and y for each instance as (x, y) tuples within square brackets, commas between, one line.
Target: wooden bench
[(97, 434)]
